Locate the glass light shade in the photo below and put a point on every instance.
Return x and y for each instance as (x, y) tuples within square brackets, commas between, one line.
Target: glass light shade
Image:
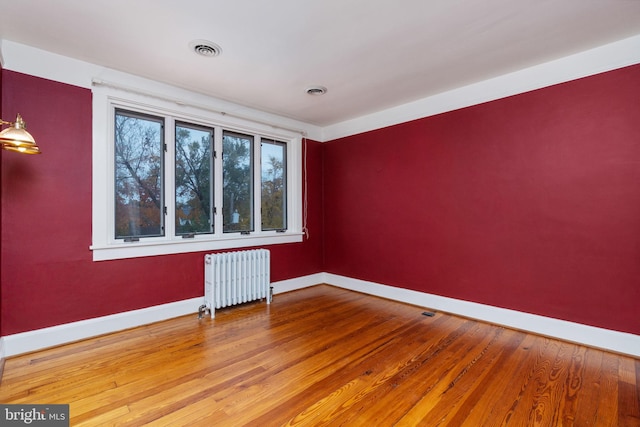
[(30, 149), (16, 138)]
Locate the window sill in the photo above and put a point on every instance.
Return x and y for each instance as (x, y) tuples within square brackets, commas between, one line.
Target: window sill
[(167, 247)]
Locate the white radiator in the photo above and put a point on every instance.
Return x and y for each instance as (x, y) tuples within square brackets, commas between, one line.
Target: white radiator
[(234, 278)]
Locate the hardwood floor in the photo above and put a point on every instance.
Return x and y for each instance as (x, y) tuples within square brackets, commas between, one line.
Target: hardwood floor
[(327, 356)]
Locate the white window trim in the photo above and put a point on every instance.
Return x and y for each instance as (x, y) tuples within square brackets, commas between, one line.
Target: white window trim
[(106, 247)]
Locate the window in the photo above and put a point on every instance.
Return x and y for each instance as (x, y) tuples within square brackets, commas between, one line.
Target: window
[(237, 169), (176, 180), (194, 180), (274, 185), (139, 201)]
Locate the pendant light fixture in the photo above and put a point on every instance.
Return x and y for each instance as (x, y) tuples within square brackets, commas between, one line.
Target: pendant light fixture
[(16, 138)]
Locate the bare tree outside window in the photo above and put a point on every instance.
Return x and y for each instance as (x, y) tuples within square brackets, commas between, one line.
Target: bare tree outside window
[(274, 180), (193, 179), (237, 172), (202, 196), (139, 201)]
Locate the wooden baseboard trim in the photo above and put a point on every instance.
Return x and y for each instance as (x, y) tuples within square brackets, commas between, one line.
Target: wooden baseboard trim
[(39, 339), (615, 341), (605, 339), (2, 358)]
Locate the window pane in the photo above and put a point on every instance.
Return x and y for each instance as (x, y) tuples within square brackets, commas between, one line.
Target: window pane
[(237, 172), (274, 185), (193, 179), (139, 200)]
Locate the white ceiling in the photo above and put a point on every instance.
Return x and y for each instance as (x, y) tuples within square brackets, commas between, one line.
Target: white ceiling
[(370, 54)]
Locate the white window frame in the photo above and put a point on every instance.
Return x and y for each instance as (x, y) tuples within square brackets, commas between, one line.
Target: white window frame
[(106, 247)]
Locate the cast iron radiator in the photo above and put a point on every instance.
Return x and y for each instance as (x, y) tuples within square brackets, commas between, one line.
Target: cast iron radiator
[(234, 278)]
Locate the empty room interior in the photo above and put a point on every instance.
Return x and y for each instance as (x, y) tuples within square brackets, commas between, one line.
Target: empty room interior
[(306, 212)]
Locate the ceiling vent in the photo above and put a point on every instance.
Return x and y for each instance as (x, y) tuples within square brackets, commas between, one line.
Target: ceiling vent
[(316, 90), (205, 48)]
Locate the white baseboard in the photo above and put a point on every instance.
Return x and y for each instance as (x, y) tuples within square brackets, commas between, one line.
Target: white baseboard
[(298, 283), (606, 339), (2, 357), (39, 339), (618, 342)]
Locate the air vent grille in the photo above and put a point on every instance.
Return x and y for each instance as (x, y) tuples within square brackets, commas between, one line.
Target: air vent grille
[(205, 48), (316, 90)]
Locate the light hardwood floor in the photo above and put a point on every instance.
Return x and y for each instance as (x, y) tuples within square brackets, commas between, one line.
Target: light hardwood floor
[(327, 356)]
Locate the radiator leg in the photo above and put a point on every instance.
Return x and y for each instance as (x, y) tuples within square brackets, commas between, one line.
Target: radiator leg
[(270, 297), (202, 310)]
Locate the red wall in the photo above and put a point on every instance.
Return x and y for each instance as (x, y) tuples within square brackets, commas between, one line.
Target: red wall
[(48, 276), (530, 203)]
